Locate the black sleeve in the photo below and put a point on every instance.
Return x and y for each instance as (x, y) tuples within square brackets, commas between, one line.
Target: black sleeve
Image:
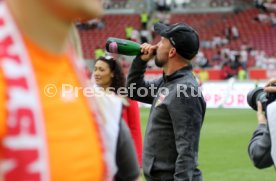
[(260, 147), (187, 114), (128, 168), (135, 80)]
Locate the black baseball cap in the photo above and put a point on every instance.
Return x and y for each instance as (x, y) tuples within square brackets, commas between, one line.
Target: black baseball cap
[(182, 37)]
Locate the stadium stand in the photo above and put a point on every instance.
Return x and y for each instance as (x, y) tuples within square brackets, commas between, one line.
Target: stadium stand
[(114, 26), (258, 37)]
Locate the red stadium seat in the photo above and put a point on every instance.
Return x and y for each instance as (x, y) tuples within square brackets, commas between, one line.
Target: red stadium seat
[(261, 36)]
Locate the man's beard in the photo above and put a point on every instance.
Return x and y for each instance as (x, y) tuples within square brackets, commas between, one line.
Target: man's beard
[(158, 63)]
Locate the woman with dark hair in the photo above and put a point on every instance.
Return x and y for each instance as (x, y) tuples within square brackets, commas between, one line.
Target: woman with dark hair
[(109, 76)]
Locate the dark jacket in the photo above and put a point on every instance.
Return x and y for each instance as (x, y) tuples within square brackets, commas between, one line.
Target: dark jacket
[(173, 129), (260, 147), (126, 161)]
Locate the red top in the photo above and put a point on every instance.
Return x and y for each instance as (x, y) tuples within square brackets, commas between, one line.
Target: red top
[(131, 115)]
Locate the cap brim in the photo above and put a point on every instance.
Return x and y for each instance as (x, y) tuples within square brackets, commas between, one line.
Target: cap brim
[(161, 29)]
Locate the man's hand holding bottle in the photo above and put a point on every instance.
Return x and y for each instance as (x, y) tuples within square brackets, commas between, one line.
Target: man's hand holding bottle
[(148, 51)]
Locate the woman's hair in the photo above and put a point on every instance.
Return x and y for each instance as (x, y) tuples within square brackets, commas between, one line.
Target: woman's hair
[(119, 79)]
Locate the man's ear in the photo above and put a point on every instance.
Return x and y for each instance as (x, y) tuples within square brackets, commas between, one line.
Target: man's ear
[(172, 52)]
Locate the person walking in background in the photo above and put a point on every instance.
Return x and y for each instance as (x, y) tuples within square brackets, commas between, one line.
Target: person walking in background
[(145, 36), (128, 31), (144, 18), (173, 129), (109, 76), (235, 32)]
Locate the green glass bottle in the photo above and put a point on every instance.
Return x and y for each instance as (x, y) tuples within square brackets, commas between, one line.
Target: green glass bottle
[(121, 46)]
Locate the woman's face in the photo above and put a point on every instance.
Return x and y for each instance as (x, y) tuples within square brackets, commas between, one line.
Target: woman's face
[(102, 74)]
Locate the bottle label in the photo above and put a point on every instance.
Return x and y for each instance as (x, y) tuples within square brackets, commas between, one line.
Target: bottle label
[(113, 47)]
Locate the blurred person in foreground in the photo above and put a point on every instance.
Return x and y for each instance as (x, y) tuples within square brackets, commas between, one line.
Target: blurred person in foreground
[(45, 133), (172, 135), (261, 148), (109, 76)]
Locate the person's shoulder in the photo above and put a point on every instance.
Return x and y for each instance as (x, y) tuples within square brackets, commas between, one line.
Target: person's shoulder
[(187, 87), (189, 80)]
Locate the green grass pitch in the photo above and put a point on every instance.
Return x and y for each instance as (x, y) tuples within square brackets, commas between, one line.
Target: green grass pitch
[(223, 146)]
